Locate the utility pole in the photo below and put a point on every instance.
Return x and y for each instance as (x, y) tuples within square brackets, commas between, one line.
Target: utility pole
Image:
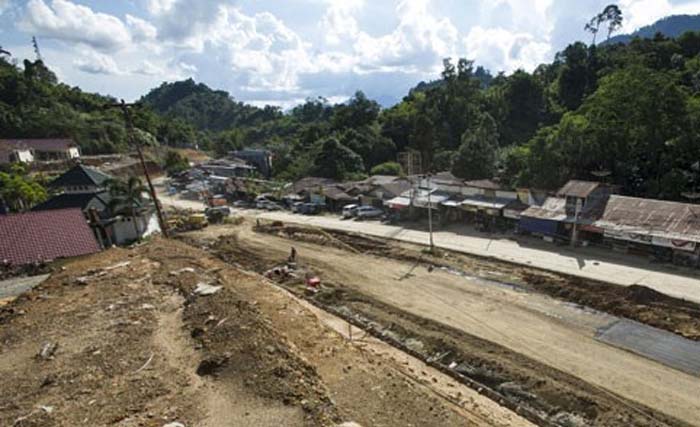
[(574, 230), (430, 215), (130, 131)]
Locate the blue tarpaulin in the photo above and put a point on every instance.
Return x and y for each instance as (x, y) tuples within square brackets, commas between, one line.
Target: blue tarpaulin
[(539, 226)]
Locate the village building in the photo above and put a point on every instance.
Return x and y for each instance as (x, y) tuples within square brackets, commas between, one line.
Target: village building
[(30, 150), (85, 188), (227, 168), (569, 215), (669, 231), (260, 159), (37, 237)]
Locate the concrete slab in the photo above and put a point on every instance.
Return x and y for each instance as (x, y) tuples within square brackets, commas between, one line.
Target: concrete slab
[(661, 346), (14, 287)]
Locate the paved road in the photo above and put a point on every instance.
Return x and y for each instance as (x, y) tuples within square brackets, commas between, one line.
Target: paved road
[(583, 262), (14, 287)]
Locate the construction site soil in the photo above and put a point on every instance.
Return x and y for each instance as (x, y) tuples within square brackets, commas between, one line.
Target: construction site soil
[(164, 333), (545, 395)]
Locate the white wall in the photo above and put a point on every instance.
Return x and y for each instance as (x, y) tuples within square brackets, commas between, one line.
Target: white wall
[(122, 231)]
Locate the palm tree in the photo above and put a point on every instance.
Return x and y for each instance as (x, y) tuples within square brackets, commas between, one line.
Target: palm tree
[(127, 199)]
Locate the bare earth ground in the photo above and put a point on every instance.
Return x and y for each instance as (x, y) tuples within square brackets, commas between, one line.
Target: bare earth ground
[(536, 350), (135, 346)]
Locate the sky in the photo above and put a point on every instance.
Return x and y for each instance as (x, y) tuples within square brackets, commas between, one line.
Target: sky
[(281, 52)]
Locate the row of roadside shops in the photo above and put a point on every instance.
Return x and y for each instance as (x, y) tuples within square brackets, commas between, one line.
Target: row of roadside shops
[(581, 213)]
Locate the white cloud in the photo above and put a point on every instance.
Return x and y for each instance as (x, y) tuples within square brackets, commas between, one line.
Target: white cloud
[(638, 13), (499, 49), (281, 52), (338, 22), (97, 63), (67, 21), (141, 30)]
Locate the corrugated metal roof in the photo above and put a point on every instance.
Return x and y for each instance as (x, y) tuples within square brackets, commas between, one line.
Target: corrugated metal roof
[(661, 218), (554, 208), (43, 144), (485, 202), (486, 184), (575, 188), (399, 202)]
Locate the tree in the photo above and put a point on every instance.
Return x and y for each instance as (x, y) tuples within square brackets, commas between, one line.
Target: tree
[(370, 145), (613, 16), (358, 112), (127, 199), (336, 161), (387, 168), (175, 162), (19, 190), (476, 157)]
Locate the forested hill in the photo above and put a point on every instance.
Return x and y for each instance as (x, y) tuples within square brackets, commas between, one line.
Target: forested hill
[(204, 108), (670, 26), (629, 112)]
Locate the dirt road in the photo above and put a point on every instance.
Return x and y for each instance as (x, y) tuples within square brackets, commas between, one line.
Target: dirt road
[(552, 333), (583, 262), (123, 338)]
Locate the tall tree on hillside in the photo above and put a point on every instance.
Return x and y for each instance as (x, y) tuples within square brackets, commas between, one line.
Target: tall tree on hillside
[(613, 16), (476, 157), (336, 161)]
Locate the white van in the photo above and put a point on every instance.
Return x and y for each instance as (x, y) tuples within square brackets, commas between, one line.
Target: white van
[(349, 211)]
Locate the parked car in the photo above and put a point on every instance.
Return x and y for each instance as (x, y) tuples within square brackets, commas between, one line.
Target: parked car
[(349, 211), (261, 204), (296, 206), (272, 206), (241, 204), (365, 212)]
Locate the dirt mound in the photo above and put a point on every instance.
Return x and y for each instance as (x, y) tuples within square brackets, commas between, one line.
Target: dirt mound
[(634, 302), (102, 314)]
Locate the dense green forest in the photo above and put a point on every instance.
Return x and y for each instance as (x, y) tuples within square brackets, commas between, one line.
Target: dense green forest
[(628, 112)]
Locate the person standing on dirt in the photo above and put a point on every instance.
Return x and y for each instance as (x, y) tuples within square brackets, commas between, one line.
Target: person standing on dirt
[(293, 255)]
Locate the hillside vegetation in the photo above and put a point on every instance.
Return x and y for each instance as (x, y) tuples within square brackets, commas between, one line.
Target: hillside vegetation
[(627, 112)]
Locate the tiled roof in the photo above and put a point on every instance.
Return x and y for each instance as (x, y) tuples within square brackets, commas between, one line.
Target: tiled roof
[(44, 236), (80, 175), (44, 144)]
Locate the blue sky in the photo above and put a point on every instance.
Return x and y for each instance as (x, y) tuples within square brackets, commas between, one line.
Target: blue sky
[(283, 51)]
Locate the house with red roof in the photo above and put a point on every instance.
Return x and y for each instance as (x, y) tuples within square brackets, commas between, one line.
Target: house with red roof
[(44, 236), (45, 149)]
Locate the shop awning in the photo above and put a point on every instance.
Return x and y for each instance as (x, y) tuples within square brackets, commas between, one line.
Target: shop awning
[(398, 202), (421, 199), (485, 203)]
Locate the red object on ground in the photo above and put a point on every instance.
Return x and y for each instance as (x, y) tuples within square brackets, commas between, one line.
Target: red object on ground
[(45, 235), (314, 282)]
